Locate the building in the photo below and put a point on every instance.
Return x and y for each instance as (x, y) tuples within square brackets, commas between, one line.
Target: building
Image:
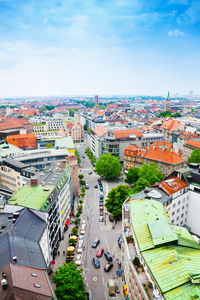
[(76, 131), (159, 260), (168, 103), (25, 282), (57, 143), (25, 141), (190, 146), (162, 153), (96, 100), (24, 240), (50, 196), (14, 126)]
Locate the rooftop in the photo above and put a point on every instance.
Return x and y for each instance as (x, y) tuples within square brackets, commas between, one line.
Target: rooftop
[(170, 252), (32, 197), (123, 134)]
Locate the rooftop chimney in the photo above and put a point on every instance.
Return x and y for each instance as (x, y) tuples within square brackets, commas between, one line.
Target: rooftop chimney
[(33, 181), (4, 284), (15, 258)]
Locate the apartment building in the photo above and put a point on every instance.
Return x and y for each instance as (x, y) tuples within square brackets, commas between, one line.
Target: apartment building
[(190, 146), (76, 131), (160, 261), (162, 153), (23, 141), (50, 196), (13, 126)]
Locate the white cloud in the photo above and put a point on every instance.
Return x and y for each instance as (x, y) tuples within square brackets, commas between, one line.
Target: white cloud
[(175, 33)]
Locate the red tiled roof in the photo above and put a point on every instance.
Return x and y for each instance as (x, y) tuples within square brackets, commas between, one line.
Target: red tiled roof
[(172, 185), (193, 143), (163, 152), (100, 130), (100, 113), (172, 125), (123, 134), (13, 123)]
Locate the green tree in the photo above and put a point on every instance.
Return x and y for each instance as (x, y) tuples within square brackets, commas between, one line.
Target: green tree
[(49, 107), (69, 283), (85, 127), (195, 156), (140, 185), (80, 176), (83, 189), (74, 230), (78, 156), (115, 199), (41, 110), (132, 176), (151, 173), (72, 242), (108, 166), (49, 145), (82, 182)]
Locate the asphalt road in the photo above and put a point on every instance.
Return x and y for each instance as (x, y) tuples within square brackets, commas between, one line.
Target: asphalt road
[(96, 279)]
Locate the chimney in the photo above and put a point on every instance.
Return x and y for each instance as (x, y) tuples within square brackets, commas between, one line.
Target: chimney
[(15, 259), (33, 181), (4, 284)]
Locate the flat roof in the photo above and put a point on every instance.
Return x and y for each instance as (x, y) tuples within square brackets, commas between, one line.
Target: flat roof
[(62, 142), (10, 150), (32, 197)]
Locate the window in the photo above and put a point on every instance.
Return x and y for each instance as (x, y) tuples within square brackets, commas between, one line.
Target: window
[(178, 210), (172, 221), (177, 218), (173, 213), (183, 207), (182, 215), (174, 205), (179, 202)]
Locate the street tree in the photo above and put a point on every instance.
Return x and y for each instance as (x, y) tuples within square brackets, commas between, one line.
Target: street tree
[(108, 166), (195, 156), (115, 199), (80, 176), (151, 173), (132, 176), (69, 283)]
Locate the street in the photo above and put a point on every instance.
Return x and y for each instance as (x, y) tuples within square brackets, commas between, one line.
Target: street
[(96, 279)]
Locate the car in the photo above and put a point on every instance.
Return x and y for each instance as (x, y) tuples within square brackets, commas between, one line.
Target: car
[(96, 262), (83, 222), (108, 267), (101, 196), (101, 219), (95, 243), (101, 188), (83, 226), (96, 186), (90, 172), (81, 239), (100, 202), (101, 208), (82, 232), (100, 252), (79, 249), (86, 185), (88, 295), (78, 260), (101, 213), (108, 256), (99, 180), (83, 156)]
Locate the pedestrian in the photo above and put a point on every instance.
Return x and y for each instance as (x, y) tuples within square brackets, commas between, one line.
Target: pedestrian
[(64, 252), (58, 253)]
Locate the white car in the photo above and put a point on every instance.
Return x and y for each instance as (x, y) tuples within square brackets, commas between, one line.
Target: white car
[(78, 260), (81, 239), (83, 226), (79, 249), (84, 222), (82, 232)]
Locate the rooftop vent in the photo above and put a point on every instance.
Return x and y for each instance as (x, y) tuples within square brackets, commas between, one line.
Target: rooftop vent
[(4, 274), (46, 189), (37, 285), (15, 258), (34, 274), (4, 284), (15, 215)]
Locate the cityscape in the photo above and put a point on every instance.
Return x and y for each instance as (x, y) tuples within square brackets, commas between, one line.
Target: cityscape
[(99, 150)]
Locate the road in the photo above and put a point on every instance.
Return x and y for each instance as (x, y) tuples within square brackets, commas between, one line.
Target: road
[(96, 279)]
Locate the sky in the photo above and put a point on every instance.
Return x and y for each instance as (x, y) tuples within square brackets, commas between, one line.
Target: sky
[(104, 47)]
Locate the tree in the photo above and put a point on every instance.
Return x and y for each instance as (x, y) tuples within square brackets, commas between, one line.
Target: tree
[(83, 189), (132, 176), (80, 176), (115, 199), (151, 173), (49, 107), (82, 182), (195, 156), (69, 283), (85, 127), (49, 145), (75, 231), (108, 166), (72, 242), (140, 185), (41, 110)]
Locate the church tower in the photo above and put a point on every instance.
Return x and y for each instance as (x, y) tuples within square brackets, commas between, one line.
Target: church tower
[(168, 103)]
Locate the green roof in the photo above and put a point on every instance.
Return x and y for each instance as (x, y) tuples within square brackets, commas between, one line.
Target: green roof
[(170, 252), (32, 197), (161, 232), (61, 142), (11, 150)]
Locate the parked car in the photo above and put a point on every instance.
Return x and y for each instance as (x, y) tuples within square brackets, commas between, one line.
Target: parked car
[(108, 256), (83, 222), (88, 295), (78, 260), (100, 252), (79, 249), (101, 188), (101, 212), (90, 172), (81, 239), (108, 267), (83, 226), (101, 195), (101, 219), (100, 202), (96, 262), (83, 156), (82, 232), (96, 186), (101, 207), (86, 185), (95, 243)]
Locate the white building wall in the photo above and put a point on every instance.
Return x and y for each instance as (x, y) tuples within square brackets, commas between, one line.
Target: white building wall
[(194, 210), (179, 207), (45, 247)]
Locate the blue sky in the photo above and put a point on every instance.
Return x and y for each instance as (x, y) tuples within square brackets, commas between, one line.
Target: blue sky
[(74, 47)]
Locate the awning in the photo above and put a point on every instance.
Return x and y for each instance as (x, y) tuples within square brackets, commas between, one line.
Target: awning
[(67, 223)]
